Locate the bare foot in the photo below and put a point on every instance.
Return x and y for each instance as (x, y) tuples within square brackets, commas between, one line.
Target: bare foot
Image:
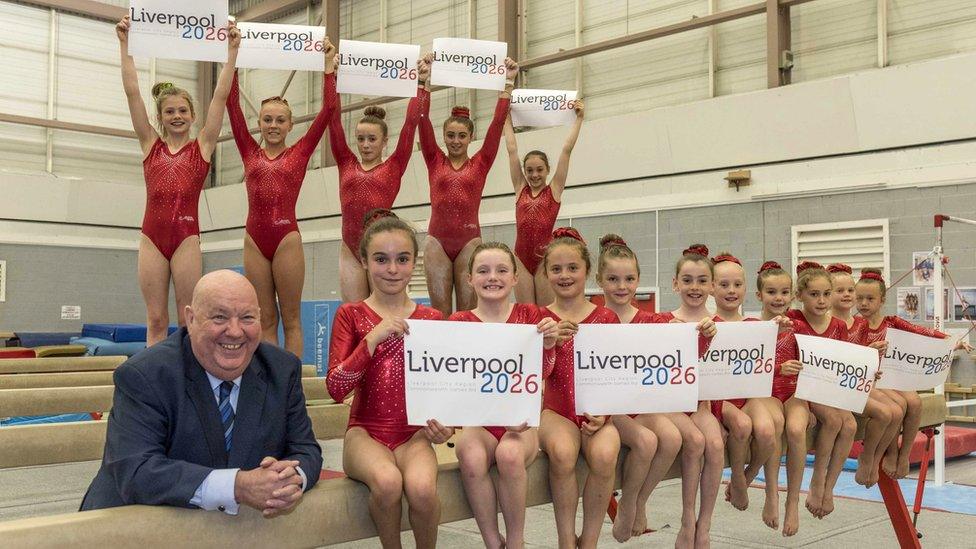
[(791, 523), (814, 501), (640, 523), (623, 524), (739, 494), (889, 464), (770, 513), (863, 474), (827, 505), (903, 466), (702, 536), (686, 538)]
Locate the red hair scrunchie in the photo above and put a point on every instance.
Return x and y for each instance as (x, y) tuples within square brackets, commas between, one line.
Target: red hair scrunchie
[(568, 232), (375, 215), (872, 276), (769, 265), (726, 257), (839, 268), (614, 242), (807, 265), (697, 249), (461, 112)]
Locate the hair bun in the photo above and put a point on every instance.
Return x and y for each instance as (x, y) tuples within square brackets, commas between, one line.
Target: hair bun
[(160, 87), (375, 215), (611, 239), (806, 265), (696, 249), (376, 111), (834, 268), (722, 257), (770, 265), (568, 232), (461, 112)]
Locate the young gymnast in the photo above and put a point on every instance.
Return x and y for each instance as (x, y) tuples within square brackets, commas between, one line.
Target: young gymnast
[(175, 167), (701, 432), (870, 294), (380, 449), (456, 183), (774, 288), (369, 181), (493, 273), (274, 259), (754, 425), (563, 433), (536, 207), (652, 439), (884, 413)]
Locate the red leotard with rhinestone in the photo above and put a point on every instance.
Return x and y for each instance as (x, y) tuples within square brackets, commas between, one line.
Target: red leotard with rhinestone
[(380, 405), (855, 333), (363, 190), (783, 385), (173, 184), (535, 216), (455, 194), (522, 313), (273, 184), (870, 335), (560, 393)]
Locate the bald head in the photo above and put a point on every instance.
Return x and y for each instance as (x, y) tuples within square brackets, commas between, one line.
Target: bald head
[(224, 323)]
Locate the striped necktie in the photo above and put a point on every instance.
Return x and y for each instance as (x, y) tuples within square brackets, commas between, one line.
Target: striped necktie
[(226, 412)]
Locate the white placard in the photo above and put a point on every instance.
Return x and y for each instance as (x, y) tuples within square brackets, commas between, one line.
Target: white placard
[(374, 68), (71, 312), (914, 362), (636, 368), (473, 373), (835, 373), (466, 63), (283, 47), (543, 107), (739, 362), (179, 29)]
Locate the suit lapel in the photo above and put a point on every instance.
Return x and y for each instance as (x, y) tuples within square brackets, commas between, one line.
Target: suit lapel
[(250, 407), (201, 395)]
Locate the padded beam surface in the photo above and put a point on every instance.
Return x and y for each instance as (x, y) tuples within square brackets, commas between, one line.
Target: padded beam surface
[(66, 379), (60, 364)]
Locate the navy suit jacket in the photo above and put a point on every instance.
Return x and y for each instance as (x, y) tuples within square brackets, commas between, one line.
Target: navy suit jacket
[(165, 435)]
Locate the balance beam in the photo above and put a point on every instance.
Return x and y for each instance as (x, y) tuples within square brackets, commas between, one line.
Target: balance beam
[(98, 398), (60, 364), (335, 511), (48, 443)]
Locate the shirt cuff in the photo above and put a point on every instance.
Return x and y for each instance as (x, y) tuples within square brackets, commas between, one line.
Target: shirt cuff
[(304, 478), (216, 492)]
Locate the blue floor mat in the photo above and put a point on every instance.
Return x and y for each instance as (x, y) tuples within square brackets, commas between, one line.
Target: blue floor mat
[(953, 498)]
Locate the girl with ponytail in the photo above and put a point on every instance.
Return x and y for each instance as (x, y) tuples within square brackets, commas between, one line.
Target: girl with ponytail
[(456, 183), (175, 168), (369, 181)]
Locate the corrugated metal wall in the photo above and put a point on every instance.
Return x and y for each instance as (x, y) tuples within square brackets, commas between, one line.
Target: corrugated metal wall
[(830, 37)]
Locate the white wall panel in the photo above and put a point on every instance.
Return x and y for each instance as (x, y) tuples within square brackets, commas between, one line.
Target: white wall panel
[(740, 46), (923, 29), (22, 148), (832, 37), (24, 36)]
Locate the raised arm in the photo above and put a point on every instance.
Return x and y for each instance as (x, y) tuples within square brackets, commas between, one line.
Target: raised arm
[(238, 124), (514, 162), (337, 134), (130, 83), (404, 146), (558, 182), (428, 142), (349, 356), (489, 147), (306, 145), (207, 139)]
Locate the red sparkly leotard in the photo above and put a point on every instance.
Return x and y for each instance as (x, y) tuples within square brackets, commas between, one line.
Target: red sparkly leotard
[(363, 190), (273, 184), (703, 343), (855, 332), (535, 216), (455, 194), (380, 405), (870, 335), (784, 385), (560, 392), (173, 184), (522, 313)]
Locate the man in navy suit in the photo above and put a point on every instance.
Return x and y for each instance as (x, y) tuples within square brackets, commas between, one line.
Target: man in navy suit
[(211, 417)]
